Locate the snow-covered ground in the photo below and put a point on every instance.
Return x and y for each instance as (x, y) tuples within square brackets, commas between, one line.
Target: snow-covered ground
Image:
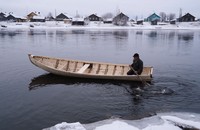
[(98, 25), (164, 121)]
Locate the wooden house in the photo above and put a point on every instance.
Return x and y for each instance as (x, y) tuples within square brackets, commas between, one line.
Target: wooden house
[(140, 21), (2, 16), (187, 18), (153, 18), (10, 17), (30, 15), (14, 18), (62, 17), (38, 19), (120, 20), (107, 21), (173, 21), (94, 17), (78, 21)]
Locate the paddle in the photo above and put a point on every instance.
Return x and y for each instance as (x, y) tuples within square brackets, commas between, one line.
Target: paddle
[(143, 81)]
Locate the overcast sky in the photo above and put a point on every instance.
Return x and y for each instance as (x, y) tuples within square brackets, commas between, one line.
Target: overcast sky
[(140, 8)]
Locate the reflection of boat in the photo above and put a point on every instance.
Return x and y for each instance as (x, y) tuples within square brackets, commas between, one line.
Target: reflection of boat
[(51, 79), (86, 69)]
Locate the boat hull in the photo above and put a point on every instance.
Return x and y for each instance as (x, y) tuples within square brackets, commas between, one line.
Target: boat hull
[(88, 69)]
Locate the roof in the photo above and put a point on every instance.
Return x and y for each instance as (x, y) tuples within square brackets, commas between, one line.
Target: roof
[(64, 15), (93, 15), (33, 13), (154, 16), (78, 19), (16, 16), (38, 17), (188, 15), (109, 19), (121, 15), (2, 14)]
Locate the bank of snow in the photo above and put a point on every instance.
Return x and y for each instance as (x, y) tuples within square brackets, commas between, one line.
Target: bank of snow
[(165, 121), (98, 25)]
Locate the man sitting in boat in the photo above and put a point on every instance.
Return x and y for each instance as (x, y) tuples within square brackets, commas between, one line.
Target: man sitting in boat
[(136, 66)]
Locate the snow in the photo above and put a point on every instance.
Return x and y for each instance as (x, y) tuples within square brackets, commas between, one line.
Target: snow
[(182, 122), (101, 25), (78, 19), (117, 125), (68, 126), (162, 121), (38, 17)]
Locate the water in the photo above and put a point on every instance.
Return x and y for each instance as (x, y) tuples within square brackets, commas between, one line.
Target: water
[(31, 98)]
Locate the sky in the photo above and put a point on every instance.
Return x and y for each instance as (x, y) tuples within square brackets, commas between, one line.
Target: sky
[(133, 8)]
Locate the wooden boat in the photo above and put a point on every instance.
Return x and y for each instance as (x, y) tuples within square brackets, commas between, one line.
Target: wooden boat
[(3, 26), (86, 69)]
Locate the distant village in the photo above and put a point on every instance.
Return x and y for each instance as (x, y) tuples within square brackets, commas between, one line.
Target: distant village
[(120, 19)]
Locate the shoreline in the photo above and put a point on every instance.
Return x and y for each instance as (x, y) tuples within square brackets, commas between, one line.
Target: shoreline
[(97, 26)]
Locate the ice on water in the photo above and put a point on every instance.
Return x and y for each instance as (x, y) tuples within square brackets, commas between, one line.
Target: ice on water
[(162, 121)]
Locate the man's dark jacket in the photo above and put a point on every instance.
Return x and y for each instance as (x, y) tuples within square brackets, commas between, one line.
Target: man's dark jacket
[(138, 66)]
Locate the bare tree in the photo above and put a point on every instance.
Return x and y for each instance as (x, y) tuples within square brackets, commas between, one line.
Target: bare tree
[(163, 16), (171, 16), (107, 15), (49, 15)]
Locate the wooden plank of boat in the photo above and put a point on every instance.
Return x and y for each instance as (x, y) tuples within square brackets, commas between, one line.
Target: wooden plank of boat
[(87, 69), (83, 68)]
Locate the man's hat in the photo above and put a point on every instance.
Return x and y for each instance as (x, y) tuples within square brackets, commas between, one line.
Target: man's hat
[(136, 55)]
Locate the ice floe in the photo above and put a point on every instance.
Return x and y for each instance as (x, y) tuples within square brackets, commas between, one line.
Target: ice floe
[(162, 121)]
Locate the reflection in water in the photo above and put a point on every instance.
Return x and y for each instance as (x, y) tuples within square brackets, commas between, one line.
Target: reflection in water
[(120, 34), (9, 33), (186, 36), (37, 32), (171, 35), (78, 31), (51, 79), (153, 34), (139, 33)]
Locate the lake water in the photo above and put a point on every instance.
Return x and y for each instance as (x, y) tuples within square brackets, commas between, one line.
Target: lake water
[(32, 99)]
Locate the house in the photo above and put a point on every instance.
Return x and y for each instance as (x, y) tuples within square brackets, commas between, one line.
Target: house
[(140, 21), (187, 18), (173, 21), (38, 18), (107, 21), (30, 15), (121, 19), (94, 17), (62, 17), (153, 17), (14, 18), (78, 21), (2, 16)]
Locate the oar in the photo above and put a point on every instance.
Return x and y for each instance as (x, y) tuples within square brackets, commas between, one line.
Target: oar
[(143, 81)]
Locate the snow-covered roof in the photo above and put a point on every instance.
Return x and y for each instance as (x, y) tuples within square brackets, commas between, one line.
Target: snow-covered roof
[(16, 16), (109, 19), (140, 19), (38, 17), (78, 19), (69, 16)]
